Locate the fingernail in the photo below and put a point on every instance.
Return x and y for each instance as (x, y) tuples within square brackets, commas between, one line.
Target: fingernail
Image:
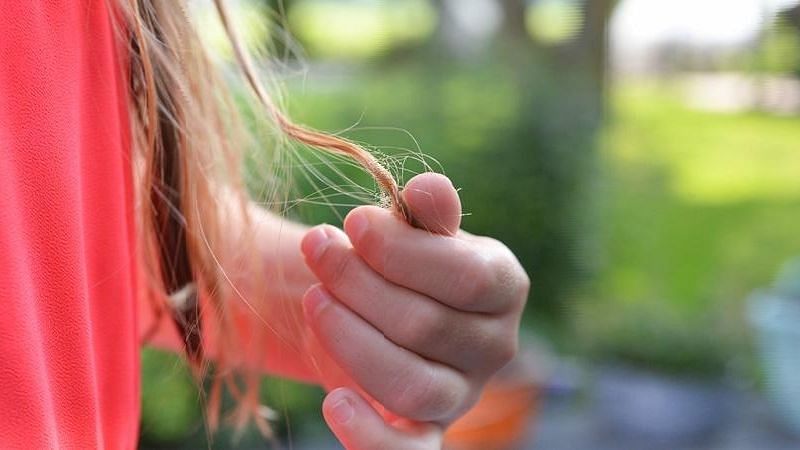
[(315, 300), (356, 225), (342, 411), (314, 243)]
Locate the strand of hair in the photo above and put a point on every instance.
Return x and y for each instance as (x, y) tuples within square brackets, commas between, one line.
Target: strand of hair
[(305, 135)]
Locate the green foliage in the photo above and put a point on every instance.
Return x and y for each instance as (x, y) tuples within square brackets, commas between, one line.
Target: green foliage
[(297, 406), (554, 21), (170, 406), (698, 210), (779, 50), (352, 29)]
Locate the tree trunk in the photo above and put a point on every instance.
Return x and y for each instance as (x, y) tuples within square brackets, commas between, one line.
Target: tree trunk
[(514, 19), (594, 40)]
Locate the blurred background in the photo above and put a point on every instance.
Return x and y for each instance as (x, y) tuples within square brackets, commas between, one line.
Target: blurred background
[(639, 156)]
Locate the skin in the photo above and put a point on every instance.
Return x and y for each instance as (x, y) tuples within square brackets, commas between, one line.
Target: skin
[(418, 319), (404, 326)]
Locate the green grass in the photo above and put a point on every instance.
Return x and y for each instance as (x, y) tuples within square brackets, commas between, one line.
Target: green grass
[(709, 157), (698, 209)]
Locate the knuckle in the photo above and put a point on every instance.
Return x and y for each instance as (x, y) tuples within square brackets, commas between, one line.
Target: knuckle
[(511, 283), (491, 242), (523, 288), (423, 327), (502, 278), (475, 277), (501, 345), (507, 350), (424, 396), (513, 274), (476, 282), (524, 282), (403, 397)]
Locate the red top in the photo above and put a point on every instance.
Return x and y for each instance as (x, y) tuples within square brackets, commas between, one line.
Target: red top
[(69, 374)]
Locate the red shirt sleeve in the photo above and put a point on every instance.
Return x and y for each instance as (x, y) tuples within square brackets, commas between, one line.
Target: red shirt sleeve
[(68, 338)]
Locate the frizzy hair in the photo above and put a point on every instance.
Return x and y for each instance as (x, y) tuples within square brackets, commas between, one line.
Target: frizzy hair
[(187, 139)]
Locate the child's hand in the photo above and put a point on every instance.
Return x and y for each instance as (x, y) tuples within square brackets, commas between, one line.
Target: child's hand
[(418, 319)]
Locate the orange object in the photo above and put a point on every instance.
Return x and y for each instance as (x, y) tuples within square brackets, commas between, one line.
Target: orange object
[(499, 420)]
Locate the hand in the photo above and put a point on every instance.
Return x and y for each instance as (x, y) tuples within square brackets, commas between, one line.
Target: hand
[(417, 319), (359, 427)]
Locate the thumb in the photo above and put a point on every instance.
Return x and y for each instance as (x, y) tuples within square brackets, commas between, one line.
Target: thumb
[(433, 203), (359, 427)]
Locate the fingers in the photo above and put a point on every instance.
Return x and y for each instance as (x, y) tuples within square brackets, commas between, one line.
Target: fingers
[(359, 427), (402, 381), (462, 340), (416, 318), (433, 203), (461, 273)]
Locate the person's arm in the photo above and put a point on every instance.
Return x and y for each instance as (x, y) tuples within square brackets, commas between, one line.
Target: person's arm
[(286, 280), (411, 321)]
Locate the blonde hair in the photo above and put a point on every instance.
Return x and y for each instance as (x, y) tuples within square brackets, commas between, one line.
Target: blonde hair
[(187, 137)]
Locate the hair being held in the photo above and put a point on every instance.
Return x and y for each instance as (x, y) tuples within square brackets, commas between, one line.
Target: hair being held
[(188, 139)]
